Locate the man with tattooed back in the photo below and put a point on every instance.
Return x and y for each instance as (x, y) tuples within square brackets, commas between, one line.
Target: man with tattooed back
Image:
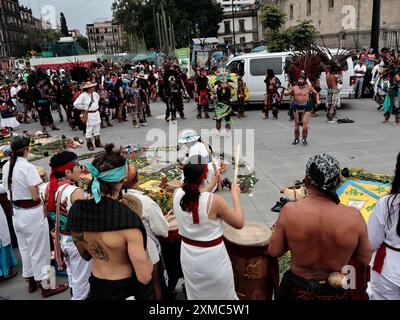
[(112, 235)]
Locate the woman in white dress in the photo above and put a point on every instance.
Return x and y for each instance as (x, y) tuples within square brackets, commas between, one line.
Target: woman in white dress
[(206, 266), (384, 235)]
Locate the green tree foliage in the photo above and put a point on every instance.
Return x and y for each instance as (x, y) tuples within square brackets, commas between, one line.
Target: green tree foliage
[(53, 36), (137, 18), (298, 37), (302, 35), (83, 42), (273, 17)]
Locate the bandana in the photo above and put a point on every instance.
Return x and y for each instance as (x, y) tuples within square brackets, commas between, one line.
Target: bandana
[(113, 175), (53, 184), (323, 171)]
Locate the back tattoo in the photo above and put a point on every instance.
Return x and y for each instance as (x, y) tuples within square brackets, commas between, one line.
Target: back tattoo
[(99, 252)]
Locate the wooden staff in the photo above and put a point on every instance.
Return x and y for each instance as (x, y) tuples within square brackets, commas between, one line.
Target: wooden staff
[(236, 164), (214, 166)]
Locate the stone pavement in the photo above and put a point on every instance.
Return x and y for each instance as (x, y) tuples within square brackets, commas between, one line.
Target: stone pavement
[(366, 143)]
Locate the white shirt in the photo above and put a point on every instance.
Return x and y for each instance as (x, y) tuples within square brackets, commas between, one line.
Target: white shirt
[(83, 102), (360, 68), (375, 73), (380, 231), (13, 94), (154, 222), (24, 176)]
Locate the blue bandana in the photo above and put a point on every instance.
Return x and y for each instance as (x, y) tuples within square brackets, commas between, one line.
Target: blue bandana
[(114, 175)]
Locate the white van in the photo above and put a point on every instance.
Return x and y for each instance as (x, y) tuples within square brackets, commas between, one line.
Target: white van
[(256, 64)]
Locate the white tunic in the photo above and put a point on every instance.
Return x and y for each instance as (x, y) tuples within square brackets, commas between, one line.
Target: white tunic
[(5, 238), (25, 175), (30, 225), (379, 231), (207, 271), (78, 269), (83, 103), (155, 224)]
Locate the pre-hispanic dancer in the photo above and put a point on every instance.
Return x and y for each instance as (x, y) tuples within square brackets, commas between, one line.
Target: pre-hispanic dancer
[(336, 64), (302, 66)]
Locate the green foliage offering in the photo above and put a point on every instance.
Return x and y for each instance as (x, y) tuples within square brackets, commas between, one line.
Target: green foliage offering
[(284, 264)]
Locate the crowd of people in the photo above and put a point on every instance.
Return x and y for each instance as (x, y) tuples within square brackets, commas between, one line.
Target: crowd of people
[(107, 237)]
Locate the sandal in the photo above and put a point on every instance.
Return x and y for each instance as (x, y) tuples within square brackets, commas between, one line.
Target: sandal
[(12, 274)]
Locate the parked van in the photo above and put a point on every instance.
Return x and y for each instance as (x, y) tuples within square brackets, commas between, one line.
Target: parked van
[(255, 66)]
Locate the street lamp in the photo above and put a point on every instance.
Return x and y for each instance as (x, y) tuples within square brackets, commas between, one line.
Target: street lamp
[(153, 3), (233, 29), (376, 25)]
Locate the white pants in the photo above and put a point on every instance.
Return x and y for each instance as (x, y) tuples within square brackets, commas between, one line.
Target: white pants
[(78, 269), (32, 231), (92, 131), (380, 288)]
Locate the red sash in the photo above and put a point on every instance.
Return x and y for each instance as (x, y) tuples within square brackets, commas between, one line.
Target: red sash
[(380, 257), (203, 244)]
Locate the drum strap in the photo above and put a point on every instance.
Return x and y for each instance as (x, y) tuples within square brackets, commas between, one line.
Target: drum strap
[(203, 244)]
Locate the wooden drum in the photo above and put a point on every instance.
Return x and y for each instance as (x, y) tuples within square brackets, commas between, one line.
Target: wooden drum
[(253, 269)]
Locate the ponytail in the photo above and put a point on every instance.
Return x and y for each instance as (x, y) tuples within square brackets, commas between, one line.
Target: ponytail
[(195, 172)]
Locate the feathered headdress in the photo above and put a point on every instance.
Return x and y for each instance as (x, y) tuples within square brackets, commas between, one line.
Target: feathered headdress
[(79, 72), (335, 62), (303, 64)]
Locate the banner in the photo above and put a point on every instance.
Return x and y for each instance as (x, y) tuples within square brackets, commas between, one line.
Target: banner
[(183, 56)]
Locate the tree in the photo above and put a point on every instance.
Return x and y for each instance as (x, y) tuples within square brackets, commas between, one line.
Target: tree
[(302, 35), (273, 17), (83, 42), (63, 24), (53, 36), (137, 18)]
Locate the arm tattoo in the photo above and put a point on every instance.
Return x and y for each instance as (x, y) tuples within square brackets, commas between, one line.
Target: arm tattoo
[(99, 252)]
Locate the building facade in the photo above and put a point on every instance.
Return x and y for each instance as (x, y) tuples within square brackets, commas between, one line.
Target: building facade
[(345, 23), (105, 37), (10, 27), (240, 25)]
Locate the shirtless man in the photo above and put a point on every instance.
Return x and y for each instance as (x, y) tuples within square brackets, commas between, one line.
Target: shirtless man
[(322, 235), (300, 94), (112, 235), (332, 80)]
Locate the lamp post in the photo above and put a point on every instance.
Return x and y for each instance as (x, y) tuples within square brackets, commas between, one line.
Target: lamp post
[(233, 29), (376, 24), (153, 3)]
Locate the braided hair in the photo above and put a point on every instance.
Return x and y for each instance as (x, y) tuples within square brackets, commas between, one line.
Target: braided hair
[(18, 147), (106, 161)]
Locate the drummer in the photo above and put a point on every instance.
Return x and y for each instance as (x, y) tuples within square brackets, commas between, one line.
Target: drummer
[(322, 235), (206, 266), (195, 147)]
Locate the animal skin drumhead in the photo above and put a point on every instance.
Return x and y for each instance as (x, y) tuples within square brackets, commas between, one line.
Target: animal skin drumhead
[(252, 234)]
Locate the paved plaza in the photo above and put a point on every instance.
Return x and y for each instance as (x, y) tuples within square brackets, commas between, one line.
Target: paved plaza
[(366, 143)]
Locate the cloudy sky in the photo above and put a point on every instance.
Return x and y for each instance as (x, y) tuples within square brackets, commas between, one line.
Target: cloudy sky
[(77, 12)]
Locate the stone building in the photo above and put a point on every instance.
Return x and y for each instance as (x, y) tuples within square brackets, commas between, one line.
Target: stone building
[(345, 23), (240, 25), (105, 37)]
